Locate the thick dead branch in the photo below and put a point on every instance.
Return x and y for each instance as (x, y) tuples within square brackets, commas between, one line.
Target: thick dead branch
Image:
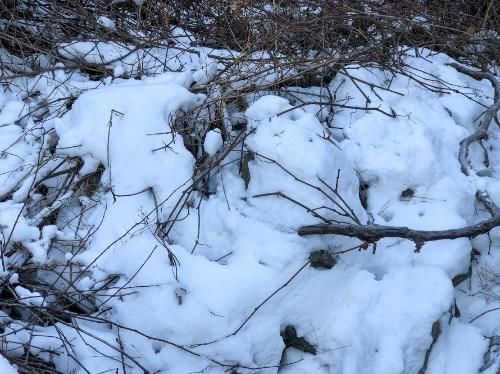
[(373, 233)]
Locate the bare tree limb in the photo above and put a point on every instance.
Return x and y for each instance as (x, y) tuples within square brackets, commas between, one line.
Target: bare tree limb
[(373, 233)]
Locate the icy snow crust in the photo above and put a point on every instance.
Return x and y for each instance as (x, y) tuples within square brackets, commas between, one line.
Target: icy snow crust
[(371, 313)]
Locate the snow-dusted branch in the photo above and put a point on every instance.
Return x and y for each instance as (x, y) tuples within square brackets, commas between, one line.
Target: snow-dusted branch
[(489, 115)]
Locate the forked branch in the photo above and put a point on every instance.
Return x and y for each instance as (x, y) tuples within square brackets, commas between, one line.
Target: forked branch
[(489, 115)]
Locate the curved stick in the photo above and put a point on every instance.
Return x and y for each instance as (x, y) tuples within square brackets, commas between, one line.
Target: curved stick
[(489, 115)]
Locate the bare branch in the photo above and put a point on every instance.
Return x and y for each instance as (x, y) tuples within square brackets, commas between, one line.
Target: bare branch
[(489, 115), (373, 233)]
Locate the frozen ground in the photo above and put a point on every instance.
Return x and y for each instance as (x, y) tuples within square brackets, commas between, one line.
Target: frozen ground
[(199, 294)]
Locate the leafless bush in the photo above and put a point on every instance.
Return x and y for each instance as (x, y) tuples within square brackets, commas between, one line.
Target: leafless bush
[(308, 29)]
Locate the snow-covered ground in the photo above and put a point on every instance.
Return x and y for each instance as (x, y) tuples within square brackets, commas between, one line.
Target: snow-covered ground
[(213, 289)]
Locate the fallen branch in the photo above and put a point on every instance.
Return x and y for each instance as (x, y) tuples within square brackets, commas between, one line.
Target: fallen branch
[(373, 233)]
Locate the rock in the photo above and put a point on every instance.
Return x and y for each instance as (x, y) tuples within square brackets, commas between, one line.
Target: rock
[(290, 338), (322, 260)]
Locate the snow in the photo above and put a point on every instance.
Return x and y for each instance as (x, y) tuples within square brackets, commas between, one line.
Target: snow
[(16, 229), (381, 150), (28, 297), (213, 142), (6, 367), (370, 321), (202, 296), (106, 22), (453, 353), (133, 61)]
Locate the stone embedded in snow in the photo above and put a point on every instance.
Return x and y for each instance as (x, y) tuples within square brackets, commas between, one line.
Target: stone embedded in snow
[(213, 142)]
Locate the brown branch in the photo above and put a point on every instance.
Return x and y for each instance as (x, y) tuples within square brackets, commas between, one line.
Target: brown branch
[(373, 233)]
